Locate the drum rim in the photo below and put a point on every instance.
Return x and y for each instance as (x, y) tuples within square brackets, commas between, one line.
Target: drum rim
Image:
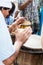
[(32, 51), (27, 44), (32, 48)]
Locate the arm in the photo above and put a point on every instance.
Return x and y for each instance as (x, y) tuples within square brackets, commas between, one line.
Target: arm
[(16, 14), (24, 5), (16, 23), (21, 38), (12, 58), (42, 37)]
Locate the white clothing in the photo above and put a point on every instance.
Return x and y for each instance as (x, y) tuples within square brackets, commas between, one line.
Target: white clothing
[(1, 63), (5, 3), (6, 47)]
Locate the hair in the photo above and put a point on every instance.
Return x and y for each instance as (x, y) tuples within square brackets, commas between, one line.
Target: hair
[(4, 8), (12, 9), (0, 8)]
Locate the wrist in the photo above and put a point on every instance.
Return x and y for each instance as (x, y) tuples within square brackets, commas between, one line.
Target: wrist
[(17, 45)]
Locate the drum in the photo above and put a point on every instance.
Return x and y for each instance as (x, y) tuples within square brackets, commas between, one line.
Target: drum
[(31, 52), (25, 58), (33, 44), (25, 24)]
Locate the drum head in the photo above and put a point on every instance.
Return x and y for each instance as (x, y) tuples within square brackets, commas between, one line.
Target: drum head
[(33, 42)]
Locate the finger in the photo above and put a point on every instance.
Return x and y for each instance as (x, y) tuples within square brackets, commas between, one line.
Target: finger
[(27, 33), (26, 37), (16, 31), (27, 30)]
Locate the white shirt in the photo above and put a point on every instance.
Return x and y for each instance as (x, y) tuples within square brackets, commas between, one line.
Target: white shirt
[(6, 47), (1, 63)]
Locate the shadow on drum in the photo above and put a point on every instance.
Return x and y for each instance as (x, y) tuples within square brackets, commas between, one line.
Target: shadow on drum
[(31, 51), (33, 45)]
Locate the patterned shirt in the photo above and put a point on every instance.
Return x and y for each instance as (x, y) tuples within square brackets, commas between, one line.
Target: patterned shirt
[(30, 12)]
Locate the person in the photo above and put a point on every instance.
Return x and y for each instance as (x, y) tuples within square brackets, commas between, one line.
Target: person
[(8, 52), (28, 9), (41, 25), (10, 19), (24, 8), (42, 37)]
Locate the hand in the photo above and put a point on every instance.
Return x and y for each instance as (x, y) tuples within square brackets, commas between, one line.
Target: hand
[(24, 35), (16, 23), (20, 20)]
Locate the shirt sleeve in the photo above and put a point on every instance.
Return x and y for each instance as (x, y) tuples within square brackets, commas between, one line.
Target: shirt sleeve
[(6, 46), (1, 63)]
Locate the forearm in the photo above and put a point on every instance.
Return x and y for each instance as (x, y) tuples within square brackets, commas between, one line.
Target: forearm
[(24, 5), (12, 58), (16, 14)]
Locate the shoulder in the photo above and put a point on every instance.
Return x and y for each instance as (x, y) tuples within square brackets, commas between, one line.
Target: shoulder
[(1, 17)]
